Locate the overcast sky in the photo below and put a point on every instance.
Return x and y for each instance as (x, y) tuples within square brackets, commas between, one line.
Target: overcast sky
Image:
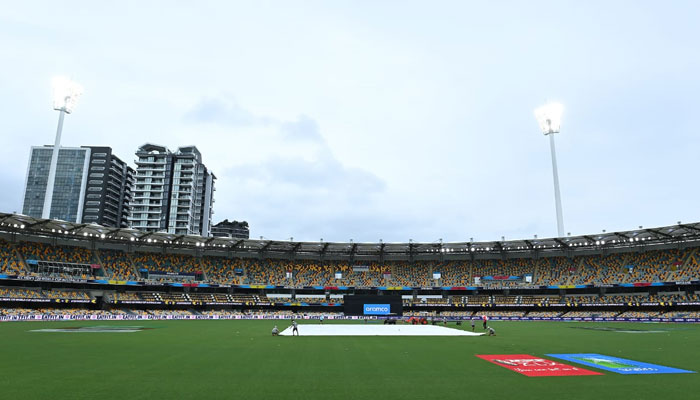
[(371, 120)]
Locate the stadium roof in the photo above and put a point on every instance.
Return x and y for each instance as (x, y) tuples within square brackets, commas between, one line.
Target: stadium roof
[(644, 237)]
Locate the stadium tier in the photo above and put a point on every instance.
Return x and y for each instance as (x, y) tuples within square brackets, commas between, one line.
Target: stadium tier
[(60, 270), (117, 264), (35, 259)]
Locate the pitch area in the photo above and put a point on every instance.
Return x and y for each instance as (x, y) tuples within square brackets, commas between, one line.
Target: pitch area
[(211, 359)]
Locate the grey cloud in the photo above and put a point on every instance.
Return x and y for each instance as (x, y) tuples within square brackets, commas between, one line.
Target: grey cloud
[(225, 111), (219, 111), (325, 173), (304, 128), (295, 197), (309, 188)]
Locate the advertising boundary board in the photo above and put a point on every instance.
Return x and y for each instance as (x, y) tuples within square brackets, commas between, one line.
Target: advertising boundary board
[(619, 365), (533, 366), (39, 317)]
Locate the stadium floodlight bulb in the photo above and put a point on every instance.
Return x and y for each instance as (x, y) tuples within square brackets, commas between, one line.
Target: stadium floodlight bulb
[(549, 117), (65, 94)]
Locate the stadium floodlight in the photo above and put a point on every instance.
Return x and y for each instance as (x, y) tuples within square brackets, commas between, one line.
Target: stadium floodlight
[(65, 94), (65, 97), (549, 118)]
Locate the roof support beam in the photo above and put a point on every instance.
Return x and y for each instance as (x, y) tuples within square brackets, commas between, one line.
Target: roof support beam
[(692, 228), (38, 223), (145, 235), (324, 249), (111, 231), (659, 233), (622, 235), (76, 227), (177, 238)]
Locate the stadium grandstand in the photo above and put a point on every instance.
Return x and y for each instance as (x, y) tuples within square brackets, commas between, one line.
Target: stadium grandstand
[(54, 269)]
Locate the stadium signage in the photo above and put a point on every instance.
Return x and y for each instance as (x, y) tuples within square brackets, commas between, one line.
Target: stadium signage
[(25, 299), (535, 366), (45, 278), (95, 329), (46, 300), (618, 365), (429, 305), (376, 309)]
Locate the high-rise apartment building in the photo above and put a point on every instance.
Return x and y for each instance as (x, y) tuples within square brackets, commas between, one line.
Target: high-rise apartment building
[(69, 187), (231, 229), (109, 189), (174, 191), (92, 185)]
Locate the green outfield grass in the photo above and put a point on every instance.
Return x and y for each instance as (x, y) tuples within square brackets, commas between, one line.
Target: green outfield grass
[(239, 359)]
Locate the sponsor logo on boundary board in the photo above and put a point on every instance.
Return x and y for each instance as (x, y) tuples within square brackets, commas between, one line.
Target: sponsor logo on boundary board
[(377, 309), (618, 365), (95, 329), (535, 366)]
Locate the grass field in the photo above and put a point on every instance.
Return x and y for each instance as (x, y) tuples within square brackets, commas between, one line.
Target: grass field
[(239, 359)]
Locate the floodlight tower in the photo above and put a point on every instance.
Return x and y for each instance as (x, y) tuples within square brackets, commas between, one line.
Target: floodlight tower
[(549, 118), (65, 98)]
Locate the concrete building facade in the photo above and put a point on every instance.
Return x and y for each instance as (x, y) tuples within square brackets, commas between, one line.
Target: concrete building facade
[(92, 185), (231, 229), (174, 191)]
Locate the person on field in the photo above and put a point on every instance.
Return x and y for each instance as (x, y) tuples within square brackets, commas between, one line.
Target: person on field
[(473, 318), (275, 331), (491, 331), (295, 328), (321, 319), (486, 319)]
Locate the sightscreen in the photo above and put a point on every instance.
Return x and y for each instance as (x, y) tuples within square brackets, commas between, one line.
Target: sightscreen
[(373, 305)]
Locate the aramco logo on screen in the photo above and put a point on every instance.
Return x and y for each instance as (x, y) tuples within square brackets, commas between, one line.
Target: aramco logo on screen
[(377, 309)]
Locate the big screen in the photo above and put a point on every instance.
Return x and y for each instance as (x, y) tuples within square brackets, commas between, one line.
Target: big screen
[(373, 305)]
